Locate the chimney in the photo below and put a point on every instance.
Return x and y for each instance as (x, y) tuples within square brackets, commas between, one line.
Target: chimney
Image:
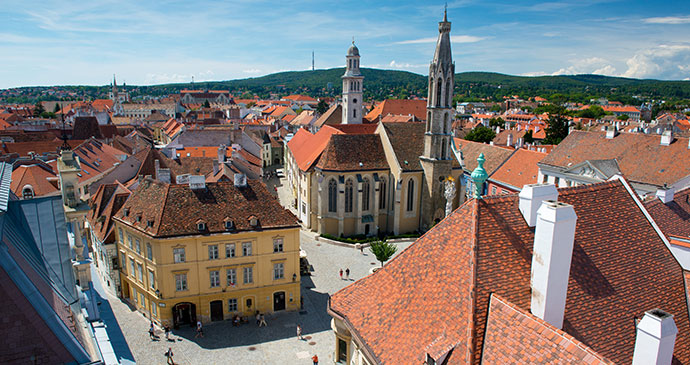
[(221, 153), (240, 180), (157, 165), (509, 141), (531, 197), (667, 138), (197, 182), (665, 194), (656, 336), (611, 132), (520, 142), (215, 167), (553, 249)]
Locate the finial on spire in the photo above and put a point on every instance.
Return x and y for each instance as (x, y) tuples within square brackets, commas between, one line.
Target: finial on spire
[(353, 39), (445, 13), (479, 176)]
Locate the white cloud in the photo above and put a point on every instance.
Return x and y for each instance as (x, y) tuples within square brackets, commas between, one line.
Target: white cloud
[(252, 71), (453, 39), (668, 20), (394, 64), (662, 62), (592, 65)]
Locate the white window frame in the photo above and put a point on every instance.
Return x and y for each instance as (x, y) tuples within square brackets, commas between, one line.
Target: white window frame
[(230, 250), (149, 251), (231, 276), (232, 305), (214, 278), (181, 282), (152, 280), (247, 248), (179, 255), (248, 275), (278, 245), (213, 252), (278, 271)]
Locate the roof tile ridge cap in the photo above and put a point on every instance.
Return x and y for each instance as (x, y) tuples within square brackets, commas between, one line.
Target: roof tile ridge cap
[(162, 211), (473, 286), (587, 187), (560, 332)]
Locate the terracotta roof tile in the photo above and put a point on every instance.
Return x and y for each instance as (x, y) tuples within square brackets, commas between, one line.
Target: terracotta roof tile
[(349, 152), (519, 169), (174, 209), (407, 140), (398, 107), (306, 147), (673, 218), (438, 289), (641, 157), (495, 156)]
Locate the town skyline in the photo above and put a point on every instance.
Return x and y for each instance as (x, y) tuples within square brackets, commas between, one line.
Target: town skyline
[(56, 43)]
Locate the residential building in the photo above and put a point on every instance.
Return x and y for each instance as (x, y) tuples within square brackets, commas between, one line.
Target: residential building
[(648, 161), (201, 96), (207, 251)]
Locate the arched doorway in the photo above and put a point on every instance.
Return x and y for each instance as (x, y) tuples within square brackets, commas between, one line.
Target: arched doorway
[(217, 310), (184, 313), (278, 301)]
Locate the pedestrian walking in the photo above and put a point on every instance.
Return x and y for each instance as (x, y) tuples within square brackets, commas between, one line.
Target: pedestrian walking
[(347, 273), (315, 359), (299, 332), (262, 321), (167, 332), (361, 249), (258, 319), (152, 333), (169, 356), (199, 330), (341, 274)]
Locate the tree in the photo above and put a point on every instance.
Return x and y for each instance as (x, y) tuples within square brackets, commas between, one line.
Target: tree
[(383, 250), (322, 106), (481, 134), (556, 130), (207, 104), (528, 137), (495, 108), (57, 108), (623, 117), (497, 122), (250, 104), (38, 109)]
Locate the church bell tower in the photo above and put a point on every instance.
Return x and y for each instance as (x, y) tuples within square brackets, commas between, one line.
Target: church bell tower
[(352, 88), (436, 160)]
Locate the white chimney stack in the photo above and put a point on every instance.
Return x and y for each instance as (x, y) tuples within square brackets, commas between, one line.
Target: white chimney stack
[(666, 138), (509, 141), (240, 180), (531, 197), (665, 194), (656, 337), (611, 132), (553, 249)]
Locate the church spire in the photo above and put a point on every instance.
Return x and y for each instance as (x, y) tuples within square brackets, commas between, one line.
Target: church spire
[(443, 54)]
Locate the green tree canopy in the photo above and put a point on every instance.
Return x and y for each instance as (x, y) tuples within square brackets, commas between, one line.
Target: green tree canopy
[(322, 106), (383, 250), (38, 109), (207, 104), (57, 108), (528, 137), (623, 117), (497, 122), (481, 134), (556, 130)]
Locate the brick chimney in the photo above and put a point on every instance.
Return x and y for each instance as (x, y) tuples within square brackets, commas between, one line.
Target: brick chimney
[(531, 197), (554, 237), (656, 337)]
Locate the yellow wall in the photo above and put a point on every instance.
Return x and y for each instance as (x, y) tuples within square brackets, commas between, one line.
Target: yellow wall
[(197, 267), (409, 221)]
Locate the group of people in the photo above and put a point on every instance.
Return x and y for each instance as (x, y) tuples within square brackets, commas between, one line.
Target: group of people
[(347, 274)]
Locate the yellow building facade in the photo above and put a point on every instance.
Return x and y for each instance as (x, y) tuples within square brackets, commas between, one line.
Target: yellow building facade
[(209, 276)]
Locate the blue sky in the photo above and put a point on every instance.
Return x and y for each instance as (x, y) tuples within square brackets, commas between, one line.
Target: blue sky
[(50, 42)]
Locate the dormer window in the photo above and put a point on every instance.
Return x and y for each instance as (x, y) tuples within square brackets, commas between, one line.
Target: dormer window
[(125, 212), (138, 218), (149, 224), (253, 221), (229, 225), (201, 226)]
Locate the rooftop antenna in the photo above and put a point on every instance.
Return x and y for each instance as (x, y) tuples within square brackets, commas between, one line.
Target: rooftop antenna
[(312, 60)]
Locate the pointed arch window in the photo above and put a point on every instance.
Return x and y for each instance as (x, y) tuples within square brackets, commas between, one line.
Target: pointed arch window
[(445, 123), (428, 122), (382, 195), (348, 196), (438, 92), (332, 196), (443, 150), (410, 195), (366, 191), (449, 94)]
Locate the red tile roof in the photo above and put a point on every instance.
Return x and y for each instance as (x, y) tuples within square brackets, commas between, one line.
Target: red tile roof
[(398, 107), (356, 128), (437, 290), (106, 202), (41, 178), (640, 157), (306, 147), (350, 152), (673, 218), (519, 169), (515, 336), (173, 210), (495, 156)]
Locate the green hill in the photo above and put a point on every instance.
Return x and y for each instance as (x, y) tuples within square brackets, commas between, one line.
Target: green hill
[(381, 84)]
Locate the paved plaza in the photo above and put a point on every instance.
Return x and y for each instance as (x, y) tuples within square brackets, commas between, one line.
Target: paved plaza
[(248, 344)]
